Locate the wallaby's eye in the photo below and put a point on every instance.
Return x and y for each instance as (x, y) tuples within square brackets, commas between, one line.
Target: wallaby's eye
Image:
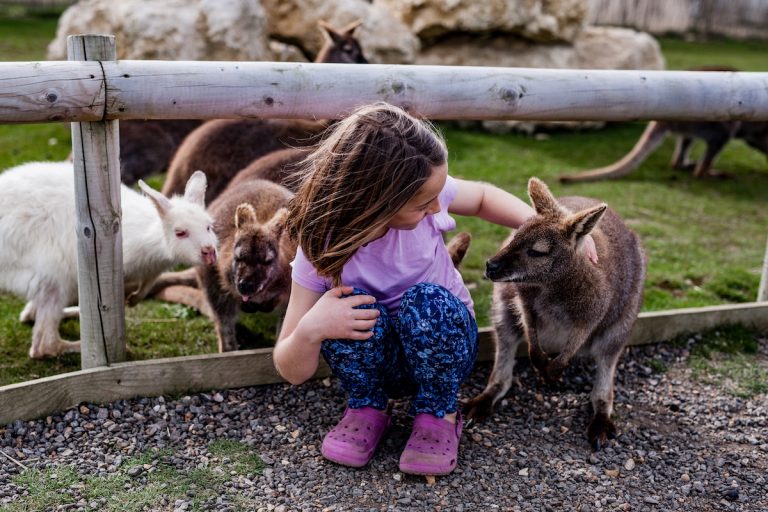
[(210, 229), (182, 233), (533, 253)]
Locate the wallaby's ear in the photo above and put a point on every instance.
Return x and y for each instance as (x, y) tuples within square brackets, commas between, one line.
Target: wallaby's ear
[(194, 191), (162, 204), (580, 223), (330, 32), (277, 223), (541, 198), (244, 214), (349, 30)]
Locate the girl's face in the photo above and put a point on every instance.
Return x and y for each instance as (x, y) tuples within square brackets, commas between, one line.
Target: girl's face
[(423, 203)]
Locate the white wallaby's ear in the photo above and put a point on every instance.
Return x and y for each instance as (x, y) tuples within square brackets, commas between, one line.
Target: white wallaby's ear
[(349, 30), (244, 214), (194, 191), (542, 199), (580, 223), (162, 204)]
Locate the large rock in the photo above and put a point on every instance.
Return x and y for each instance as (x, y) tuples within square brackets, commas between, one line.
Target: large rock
[(593, 48), (170, 29), (383, 37), (547, 20)]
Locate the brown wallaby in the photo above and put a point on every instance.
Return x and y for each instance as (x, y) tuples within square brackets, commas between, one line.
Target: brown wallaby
[(715, 134), (551, 295), (225, 146), (253, 272)]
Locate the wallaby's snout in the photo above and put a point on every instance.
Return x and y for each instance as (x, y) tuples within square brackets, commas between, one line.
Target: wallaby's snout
[(493, 270), (208, 254)]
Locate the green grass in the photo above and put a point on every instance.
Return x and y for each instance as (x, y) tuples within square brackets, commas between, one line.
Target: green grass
[(118, 492), (704, 239), (729, 357)]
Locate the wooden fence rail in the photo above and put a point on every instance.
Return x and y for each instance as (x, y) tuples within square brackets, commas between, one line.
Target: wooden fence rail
[(95, 91)]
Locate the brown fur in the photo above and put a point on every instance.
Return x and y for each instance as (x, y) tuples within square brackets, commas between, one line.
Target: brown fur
[(715, 134), (253, 271), (223, 147), (551, 295), (278, 167)]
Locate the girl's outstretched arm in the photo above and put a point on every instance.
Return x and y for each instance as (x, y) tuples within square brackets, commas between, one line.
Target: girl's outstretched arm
[(312, 317), (495, 205)]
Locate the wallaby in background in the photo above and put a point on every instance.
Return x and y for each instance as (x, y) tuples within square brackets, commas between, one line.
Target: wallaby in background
[(715, 134), (549, 293), (225, 146)]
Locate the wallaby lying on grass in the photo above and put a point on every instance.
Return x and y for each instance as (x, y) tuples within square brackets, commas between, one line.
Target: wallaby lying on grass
[(715, 134), (38, 260), (225, 146), (552, 296)]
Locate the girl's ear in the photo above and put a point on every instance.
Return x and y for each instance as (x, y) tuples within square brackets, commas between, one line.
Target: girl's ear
[(542, 199)]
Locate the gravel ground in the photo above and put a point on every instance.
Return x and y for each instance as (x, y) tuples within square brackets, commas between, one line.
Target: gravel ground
[(684, 445)]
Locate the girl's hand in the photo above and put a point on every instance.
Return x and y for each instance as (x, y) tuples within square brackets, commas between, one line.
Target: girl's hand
[(335, 316), (589, 248)]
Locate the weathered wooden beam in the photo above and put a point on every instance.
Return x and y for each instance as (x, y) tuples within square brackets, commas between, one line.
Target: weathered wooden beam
[(96, 154), (207, 90), (762, 291), (41, 397), (41, 92)]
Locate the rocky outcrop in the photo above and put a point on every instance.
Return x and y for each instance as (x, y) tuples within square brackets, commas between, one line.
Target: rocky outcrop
[(170, 29), (548, 20)]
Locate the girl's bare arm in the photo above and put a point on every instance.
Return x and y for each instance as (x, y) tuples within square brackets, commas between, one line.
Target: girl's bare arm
[(312, 317)]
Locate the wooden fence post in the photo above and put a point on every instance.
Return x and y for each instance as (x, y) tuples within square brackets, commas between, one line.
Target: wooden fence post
[(96, 153), (762, 292)]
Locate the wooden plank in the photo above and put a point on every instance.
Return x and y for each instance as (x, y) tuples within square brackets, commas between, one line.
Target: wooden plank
[(38, 92), (96, 153), (207, 90), (145, 89), (41, 397)]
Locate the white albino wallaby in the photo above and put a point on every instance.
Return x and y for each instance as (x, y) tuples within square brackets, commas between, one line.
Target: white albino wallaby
[(39, 256), (550, 295)]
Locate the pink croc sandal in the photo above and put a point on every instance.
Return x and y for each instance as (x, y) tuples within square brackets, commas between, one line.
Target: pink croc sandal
[(354, 439), (433, 447)]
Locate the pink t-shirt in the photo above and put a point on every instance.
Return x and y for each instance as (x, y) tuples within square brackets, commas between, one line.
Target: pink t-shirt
[(389, 265)]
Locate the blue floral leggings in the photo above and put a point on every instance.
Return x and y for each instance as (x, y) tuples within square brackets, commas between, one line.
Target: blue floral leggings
[(426, 352)]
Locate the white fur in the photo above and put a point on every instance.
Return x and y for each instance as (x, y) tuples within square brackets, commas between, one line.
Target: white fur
[(38, 246)]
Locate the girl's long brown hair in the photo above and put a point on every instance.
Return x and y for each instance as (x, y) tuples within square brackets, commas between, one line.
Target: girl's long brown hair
[(366, 167)]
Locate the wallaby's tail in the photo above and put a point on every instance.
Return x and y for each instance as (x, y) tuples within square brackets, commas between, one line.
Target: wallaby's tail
[(458, 246), (648, 142), (186, 277)]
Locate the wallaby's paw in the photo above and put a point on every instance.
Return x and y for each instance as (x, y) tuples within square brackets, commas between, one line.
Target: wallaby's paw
[(718, 175), (600, 430), (478, 408), (540, 361), (42, 351)]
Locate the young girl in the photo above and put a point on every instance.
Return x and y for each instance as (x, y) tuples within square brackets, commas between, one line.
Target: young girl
[(374, 289)]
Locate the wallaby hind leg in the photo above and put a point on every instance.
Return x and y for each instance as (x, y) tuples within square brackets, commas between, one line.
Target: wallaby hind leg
[(27, 315), (507, 338), (680, 159), (601, 428), (46, 341), (704, 165), (187, 277), (188, 296)]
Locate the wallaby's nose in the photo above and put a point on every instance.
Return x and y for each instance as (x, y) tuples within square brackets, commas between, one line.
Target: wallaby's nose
[(492, 268), (209, 254)]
